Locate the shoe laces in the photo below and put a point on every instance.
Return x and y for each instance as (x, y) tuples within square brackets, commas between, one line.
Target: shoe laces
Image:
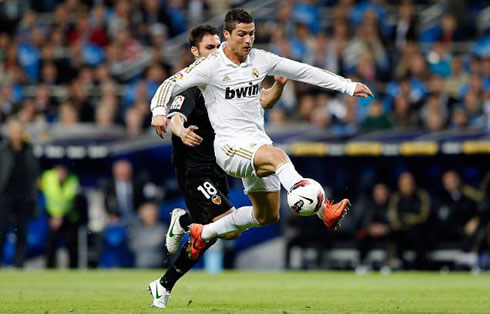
[(328, 203)]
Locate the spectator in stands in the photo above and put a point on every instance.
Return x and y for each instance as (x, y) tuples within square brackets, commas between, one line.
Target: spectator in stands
[(439, 59), (121, 18), (434, 122), (457, 216), (403, 115), (406, 27), (367, 39), (146, 238), (19, 170), (473, 109), (302, 42), (376, 119), (408, 213), (474, 85), (105, 116), (306, 105), (123, 194), (459, 118), (484, 198), (375, 224), (285, 21), (66, 208), (320, 116), (449, 30), (486, 109), (134, 122), (458, 77), (347, 119)]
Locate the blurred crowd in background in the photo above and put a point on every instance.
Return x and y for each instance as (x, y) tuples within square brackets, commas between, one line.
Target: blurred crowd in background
[(66, 64), (87, 61)]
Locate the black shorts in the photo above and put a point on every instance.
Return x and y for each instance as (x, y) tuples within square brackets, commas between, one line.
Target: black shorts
[(205, 191)]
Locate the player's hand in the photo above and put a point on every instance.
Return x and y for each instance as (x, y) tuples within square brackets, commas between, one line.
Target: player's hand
[(159, 123), (55, 223), (189, 137), (281, 80), (471, 226), (362, 91)]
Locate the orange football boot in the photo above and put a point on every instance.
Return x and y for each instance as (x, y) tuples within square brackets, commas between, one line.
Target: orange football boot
[(196, 243), (334, 212)]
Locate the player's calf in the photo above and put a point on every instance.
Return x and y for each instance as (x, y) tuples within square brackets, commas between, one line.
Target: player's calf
[(231, 236), (267, 218)]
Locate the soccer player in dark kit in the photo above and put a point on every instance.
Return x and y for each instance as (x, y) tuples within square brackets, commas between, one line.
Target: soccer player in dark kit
[(202, 181)]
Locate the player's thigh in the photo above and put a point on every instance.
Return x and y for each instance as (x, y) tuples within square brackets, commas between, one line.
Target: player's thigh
[(204, 199), (236, 158)]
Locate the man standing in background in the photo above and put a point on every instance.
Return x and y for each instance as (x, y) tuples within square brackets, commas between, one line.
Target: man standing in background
[(64, 207), (19, 170)]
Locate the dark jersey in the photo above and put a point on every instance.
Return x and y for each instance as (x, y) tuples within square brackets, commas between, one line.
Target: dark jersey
[(203, 182), (190, 105)]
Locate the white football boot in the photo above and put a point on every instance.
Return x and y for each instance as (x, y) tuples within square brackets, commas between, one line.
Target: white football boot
[(159, 293), (175, 232)]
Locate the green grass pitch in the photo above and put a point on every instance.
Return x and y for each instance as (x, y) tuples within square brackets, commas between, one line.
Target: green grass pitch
[(122, 291)]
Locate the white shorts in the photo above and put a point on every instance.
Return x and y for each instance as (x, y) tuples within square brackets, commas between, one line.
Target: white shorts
[(236, 159)]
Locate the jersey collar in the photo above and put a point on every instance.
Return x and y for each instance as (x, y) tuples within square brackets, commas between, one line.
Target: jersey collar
[(231, 63)]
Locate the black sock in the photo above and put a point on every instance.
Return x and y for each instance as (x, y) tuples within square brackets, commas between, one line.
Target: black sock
[(180, 267), (185, 221)]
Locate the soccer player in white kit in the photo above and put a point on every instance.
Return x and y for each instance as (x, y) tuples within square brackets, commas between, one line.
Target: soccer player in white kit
[(230, 80)]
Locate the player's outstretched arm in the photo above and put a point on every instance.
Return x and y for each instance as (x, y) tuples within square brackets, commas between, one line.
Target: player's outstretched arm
[(187, 135), (312, 75), (272, 95)]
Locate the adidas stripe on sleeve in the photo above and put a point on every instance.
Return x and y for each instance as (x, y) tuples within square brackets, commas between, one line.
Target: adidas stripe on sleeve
[(196, 74)]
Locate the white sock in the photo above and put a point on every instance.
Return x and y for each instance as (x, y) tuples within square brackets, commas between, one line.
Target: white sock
[(240, 220), (288, 175)]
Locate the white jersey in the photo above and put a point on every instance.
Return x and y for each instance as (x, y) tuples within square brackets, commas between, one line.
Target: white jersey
[(232, 92)]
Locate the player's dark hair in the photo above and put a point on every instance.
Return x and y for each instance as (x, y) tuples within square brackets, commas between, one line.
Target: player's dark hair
[(198, 32), (236, 16)]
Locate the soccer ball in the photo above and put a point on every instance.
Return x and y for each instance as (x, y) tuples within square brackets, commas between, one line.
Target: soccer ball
[(306, 197)]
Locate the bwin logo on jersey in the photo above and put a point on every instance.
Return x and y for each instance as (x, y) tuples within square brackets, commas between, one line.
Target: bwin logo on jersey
[(251, 90)]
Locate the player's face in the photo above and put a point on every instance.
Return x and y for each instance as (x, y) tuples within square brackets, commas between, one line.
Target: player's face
[(241, 39), (208, 45)]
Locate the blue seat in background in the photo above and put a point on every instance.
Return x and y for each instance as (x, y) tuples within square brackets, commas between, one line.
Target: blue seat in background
[(116, 252)]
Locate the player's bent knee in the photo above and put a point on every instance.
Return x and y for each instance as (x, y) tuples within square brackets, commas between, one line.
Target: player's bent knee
[(278, 156), (268, 160), (268, 220)]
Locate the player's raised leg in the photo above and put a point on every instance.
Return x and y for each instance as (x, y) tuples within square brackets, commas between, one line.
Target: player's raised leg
[(267, 204), (270, 160), (273, 168)]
